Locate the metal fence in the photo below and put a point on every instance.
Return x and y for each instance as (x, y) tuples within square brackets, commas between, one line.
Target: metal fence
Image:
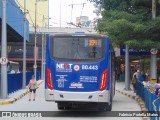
[(15, 81), (152, 101)]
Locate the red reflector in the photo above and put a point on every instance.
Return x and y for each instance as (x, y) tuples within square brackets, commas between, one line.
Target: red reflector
[(49, 79), (100, 95), (76, 60), (104, 80), (50, 94)]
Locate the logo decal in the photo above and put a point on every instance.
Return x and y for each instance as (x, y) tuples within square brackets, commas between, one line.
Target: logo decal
[(63, 67), (76, 67)]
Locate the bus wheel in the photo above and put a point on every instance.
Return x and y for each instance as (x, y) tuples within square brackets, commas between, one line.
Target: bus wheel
[(109, 107), (102, 106), (60, 106), (68, 107)]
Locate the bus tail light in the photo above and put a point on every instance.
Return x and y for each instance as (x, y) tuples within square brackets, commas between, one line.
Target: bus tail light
[(49, 79), (104, 80)]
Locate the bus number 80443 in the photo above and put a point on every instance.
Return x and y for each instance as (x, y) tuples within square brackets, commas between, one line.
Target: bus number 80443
[(80, 70)]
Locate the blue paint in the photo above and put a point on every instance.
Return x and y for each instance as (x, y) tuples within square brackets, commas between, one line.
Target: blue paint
[(135, 52), (15, 17), (15, 81), (87, 80)]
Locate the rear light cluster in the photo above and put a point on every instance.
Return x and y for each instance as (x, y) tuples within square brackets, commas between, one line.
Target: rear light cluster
[(104, 80), (49, 79)]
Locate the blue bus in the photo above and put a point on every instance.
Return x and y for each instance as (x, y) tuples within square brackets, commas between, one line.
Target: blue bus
[(80, 70)]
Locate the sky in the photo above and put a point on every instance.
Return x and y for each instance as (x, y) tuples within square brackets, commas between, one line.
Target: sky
[(62, 11)]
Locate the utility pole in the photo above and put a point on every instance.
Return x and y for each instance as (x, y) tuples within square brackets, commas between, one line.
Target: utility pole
[(60, 12), (35, 44), (24, 48), (44, 46), (153, 66), (42, 60), (45, 39), (71, 10), (81, 11), (4, 80)]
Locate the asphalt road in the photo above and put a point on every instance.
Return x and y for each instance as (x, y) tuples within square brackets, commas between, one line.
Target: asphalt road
[(121, 104)]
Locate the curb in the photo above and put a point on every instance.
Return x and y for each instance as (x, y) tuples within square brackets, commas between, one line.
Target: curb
[(139, 100), (17, 98)]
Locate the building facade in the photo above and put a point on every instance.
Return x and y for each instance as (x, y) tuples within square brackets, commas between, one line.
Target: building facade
[(42, 10), (14, 21)]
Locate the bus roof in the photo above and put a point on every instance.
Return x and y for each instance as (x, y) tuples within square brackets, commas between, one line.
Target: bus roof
[(77, 34)]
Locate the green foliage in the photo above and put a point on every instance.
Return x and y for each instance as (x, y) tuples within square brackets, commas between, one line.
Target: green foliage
[(129, 22), (114, 14), (142, 44)]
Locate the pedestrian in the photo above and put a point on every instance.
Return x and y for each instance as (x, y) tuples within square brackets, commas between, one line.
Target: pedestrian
[(147, 75), (137, 74), (117, 75), (134, 80), (31, 86)]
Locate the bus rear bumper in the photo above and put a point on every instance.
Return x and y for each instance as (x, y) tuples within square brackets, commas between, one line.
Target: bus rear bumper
[(97, 96)]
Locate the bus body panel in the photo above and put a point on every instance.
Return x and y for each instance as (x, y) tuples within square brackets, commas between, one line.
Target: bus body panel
[(95, 96), (67, 78)]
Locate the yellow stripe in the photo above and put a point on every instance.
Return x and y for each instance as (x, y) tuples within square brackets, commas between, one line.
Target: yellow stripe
[(143, 106), (132, 97), (144, 118), (19, 97), (144, 109), (140, 101), (5, 102)]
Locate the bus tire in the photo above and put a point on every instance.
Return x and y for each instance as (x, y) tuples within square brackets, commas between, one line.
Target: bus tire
[(109, 107), (68, 107), (102, 106), (60, 106)]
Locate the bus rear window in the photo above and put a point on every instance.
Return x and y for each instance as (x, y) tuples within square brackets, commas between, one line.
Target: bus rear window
[(77, 48)]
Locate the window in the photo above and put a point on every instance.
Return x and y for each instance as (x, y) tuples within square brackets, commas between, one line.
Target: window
[(82, 48)]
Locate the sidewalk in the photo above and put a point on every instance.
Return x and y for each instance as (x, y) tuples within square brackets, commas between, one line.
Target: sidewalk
[(13, 97), (120, 86)]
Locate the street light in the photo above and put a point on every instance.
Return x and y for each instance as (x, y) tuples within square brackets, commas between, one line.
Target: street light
[(35, 62), (35, 37), (24, 48), (3, 84)]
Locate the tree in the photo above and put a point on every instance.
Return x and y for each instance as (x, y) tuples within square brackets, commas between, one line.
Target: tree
[(130, 22)]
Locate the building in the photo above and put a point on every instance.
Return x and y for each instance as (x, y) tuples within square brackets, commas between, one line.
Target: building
[(42, 10), (15, 49), (83, 21), (15, 21), (15, 29), (65, 30)]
